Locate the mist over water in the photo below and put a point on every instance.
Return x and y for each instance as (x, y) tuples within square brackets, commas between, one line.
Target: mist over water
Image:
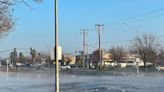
[(44, 82), (26, 82), (132, 83)]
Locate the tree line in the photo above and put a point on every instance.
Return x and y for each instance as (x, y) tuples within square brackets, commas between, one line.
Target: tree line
[(147, 47)]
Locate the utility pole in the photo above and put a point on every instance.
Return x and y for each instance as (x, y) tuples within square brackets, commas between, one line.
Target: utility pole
[(56, 47), (84, 33), (87, 59), (99, 28)]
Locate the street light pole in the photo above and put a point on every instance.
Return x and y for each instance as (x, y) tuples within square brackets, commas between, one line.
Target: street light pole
[(56, 48), (134, 29)]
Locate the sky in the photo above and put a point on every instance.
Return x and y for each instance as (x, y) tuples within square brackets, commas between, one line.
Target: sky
[(35, 28)]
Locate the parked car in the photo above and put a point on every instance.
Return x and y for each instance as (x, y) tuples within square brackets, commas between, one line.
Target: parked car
[(10, 65), (131, 63), (65, 67), (20, 64), (160, 68)]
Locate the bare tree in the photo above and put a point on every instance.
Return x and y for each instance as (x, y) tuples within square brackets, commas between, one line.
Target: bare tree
[(95, 58), (147, 46), (161, 56), (117, 53), (21, 58), (6, 14), (13, 57), (33, 55)]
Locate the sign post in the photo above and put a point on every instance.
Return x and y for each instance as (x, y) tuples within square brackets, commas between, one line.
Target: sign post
[(137, 65)]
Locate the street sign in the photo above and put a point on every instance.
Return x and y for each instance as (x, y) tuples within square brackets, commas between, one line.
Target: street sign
[(59, 53)]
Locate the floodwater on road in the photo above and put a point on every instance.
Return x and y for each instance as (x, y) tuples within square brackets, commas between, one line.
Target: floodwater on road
[(131, 83), (44, 82), (26, 82)]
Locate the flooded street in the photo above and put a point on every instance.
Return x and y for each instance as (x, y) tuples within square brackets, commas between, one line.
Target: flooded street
[(44, 82), (82, 46), (26, 82), (142, 83)]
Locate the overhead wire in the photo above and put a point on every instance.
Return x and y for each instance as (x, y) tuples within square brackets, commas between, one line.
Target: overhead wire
[(137, 16)]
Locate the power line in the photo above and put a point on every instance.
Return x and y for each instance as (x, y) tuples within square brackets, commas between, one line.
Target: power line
[(112, 42), (117, 41), (137, 16), (146, 18), (6, 50)]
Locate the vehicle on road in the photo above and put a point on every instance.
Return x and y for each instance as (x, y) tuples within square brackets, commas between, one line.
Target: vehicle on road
[(65, 67), (159, 68), (20, 64)]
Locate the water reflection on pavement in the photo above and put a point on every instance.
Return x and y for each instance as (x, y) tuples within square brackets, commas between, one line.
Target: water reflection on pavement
[(26, 82), (44, 82), (147, 83)]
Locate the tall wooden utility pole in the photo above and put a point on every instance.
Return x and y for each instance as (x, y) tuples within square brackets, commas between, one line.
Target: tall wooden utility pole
[(56, 48), (84, 33), (99, 28)]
